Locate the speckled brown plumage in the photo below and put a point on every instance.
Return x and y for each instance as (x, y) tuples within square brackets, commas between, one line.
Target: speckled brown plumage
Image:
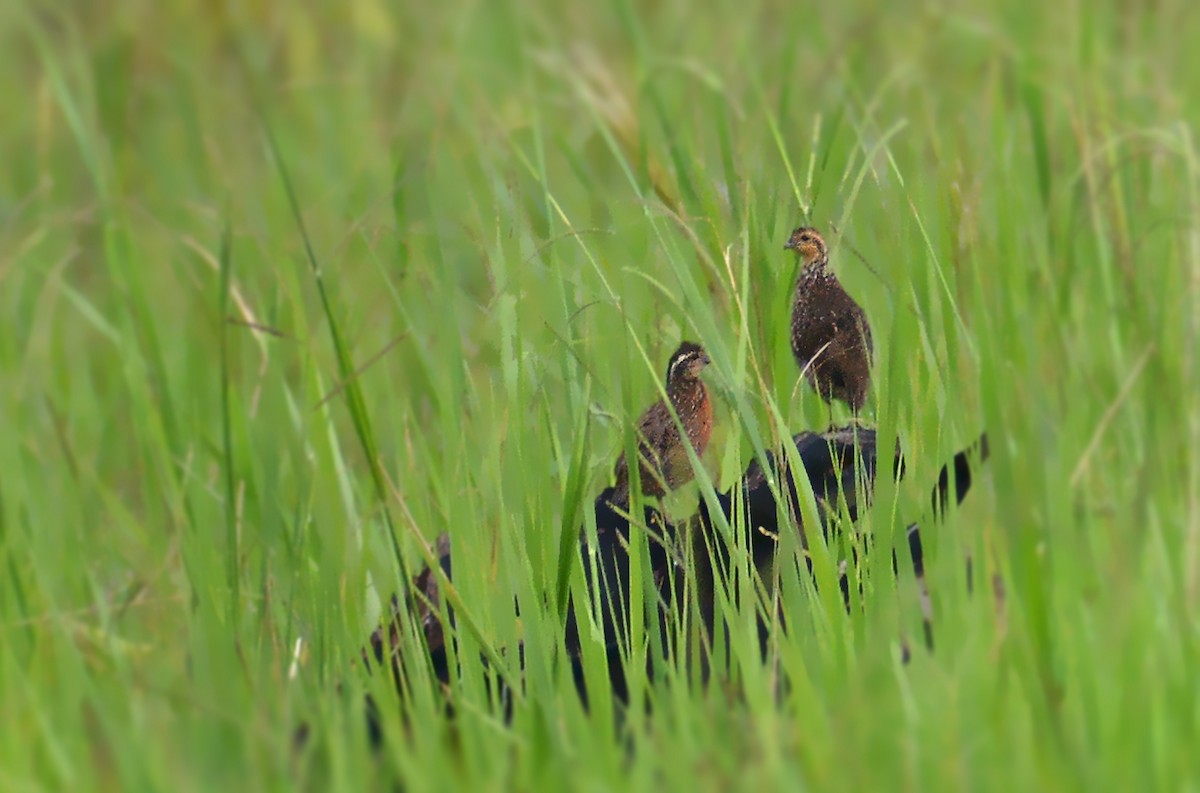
[(664, 460), (831, 338)]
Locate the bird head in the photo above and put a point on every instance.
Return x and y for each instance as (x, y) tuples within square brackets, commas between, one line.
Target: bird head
[(808, 245), (687, 361)]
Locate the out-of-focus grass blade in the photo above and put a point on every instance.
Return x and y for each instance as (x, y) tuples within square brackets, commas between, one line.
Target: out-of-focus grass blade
[(233, 552), (573, 504), (353, 390)]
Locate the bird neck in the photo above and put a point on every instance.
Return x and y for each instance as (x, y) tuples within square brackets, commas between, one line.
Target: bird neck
[(817, 266), (683, 390), (814, 273)]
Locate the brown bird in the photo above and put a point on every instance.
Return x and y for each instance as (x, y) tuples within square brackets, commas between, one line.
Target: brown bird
[(664, 463), (831, 338)]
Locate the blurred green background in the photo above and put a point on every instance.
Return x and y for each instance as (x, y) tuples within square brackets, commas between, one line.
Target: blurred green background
[(515, 212)]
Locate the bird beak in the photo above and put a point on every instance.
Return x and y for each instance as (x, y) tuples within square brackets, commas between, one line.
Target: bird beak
[(789, 246)]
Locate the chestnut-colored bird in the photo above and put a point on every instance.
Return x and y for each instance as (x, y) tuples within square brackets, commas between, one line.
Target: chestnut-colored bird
[(831, 338), (664, 463)]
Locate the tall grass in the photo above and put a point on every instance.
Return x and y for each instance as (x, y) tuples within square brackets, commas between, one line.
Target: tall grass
[(293, 289)]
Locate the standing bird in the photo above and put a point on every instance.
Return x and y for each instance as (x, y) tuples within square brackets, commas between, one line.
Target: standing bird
[(831, 338), (664, 463)]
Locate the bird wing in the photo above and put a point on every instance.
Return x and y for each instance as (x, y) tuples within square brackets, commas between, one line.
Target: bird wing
[(656, 428)]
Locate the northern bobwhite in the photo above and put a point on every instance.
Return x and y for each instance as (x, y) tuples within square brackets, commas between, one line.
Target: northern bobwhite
[(831, 338), (664, 460)]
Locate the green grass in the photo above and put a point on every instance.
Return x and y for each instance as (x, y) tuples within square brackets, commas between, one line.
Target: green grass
[(514, 211)]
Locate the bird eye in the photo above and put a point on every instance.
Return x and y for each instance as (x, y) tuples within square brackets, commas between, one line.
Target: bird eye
[(806, 238)]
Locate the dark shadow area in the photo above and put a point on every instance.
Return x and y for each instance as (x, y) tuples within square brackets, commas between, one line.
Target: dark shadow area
[(840, 466)]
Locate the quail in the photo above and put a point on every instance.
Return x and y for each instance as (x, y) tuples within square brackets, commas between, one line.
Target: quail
[(831, 338), (664, 463)]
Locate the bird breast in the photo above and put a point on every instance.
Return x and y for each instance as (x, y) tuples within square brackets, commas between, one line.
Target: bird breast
[(695, 412)]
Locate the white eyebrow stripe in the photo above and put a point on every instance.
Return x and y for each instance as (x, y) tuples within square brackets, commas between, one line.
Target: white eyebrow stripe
[(679, 358)]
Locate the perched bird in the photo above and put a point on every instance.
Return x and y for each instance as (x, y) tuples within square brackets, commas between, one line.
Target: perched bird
[(831, 338), (663, 455)]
